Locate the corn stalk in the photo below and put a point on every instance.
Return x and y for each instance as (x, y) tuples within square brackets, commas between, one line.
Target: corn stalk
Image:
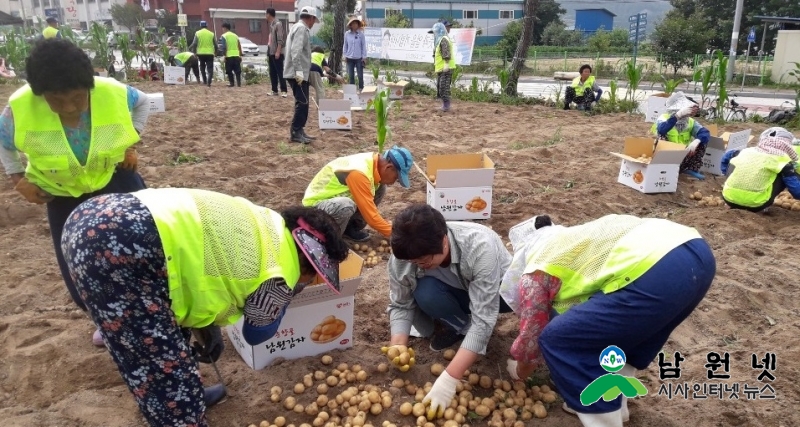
[(128, 53), (634, 74), (722, 90), (380, 104), (98, 36), (15, 51)]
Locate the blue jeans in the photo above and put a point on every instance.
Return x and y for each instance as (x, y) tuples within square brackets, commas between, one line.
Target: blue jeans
[(638, 319), (445, 303), (356, 65)]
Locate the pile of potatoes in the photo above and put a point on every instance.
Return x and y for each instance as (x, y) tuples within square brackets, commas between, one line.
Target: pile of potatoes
[(644, 158), (711, 201), (479, 400), (373, 255), (401, 356), (786, 201)]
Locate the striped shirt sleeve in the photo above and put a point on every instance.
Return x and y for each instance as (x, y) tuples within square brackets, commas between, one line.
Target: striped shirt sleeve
[(264, 306)]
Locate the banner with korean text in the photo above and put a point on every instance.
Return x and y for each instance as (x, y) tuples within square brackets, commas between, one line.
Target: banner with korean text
[(415, 44)]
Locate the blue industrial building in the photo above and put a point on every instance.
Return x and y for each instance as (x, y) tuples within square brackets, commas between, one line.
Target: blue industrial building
[(588, 21), (491, 17)]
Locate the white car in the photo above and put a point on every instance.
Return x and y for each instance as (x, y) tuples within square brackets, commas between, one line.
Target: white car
[(248, 47)]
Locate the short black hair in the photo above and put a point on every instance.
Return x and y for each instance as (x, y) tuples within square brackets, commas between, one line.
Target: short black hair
[(57, 65), (271, 12), (418, 231), (585, 66), (542, 221), (335, 246), (51, 20), (318, 49), (226, 25)]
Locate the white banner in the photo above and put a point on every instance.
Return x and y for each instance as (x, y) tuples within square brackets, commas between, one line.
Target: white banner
[(415, 44)]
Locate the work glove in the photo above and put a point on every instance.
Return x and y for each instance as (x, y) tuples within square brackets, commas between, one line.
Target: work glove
[(298, 77), (446, 68), (208, 343), (511, 367), (400, 356), (131, 159), (684, 112), (693, 145), (32, 193), (442, 392)]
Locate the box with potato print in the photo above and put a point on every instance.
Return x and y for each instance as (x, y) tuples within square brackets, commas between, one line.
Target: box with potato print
[(335, 114), (649, 166), (316, 321), (174, 75), (718, 144), (460, 185)]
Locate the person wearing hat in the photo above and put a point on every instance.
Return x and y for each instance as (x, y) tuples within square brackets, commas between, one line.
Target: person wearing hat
[(617, 281), (756, 175), (232, 49), (51, 31), (445, 272), (676, 125), (205, 46), (444, 61), (275, 46), (355, 51), (297, 71), (350, 188), (583, 91), (189, 62), (158, 265)]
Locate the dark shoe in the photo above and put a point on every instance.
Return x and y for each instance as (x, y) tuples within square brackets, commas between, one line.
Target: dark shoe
[(566, 107), (445, 106), (307, 136), (214, 394), (445, 339), (297, 136), (356, 235)]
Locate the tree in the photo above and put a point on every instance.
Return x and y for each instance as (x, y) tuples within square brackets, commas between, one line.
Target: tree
[(556, 34), (128, 15), (511, 36), (397, 20), (547, 12), (677, 40), (619, 39), (339, 11), (529, 12), (600, 41), (325, 32)]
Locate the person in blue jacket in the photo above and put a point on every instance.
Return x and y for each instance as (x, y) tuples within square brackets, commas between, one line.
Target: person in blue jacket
[(756, 175), (676, 125)]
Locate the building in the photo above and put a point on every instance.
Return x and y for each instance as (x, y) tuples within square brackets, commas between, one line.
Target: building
[(489, 17), (247, 17), (589, 21), (70, 12)]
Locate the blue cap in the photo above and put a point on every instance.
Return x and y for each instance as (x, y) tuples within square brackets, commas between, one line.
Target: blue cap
[(203, 24), (447, 23), (402, 161)]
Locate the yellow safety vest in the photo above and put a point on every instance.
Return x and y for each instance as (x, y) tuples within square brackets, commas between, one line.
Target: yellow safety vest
[(205, 42), (605, 255), (317, 58), (232, 45), (750, 183), (438, 61), (219, 250), (673, 135), (580, 88), (52, 165), (183, 57), (326, 184), (50, 33)]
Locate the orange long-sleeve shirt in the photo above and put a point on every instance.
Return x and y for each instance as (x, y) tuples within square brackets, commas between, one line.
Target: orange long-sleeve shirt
[(361, 189)]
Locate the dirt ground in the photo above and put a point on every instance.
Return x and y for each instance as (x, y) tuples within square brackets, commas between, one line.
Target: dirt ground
[(51, 375)]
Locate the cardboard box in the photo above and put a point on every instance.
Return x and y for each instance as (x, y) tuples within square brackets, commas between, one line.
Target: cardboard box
[(358, 101), (659, 174), (335, 114), (174, 75), (718, 145), (307, 310), (459, 181), (396, 89), (156, 102), (656, 106)]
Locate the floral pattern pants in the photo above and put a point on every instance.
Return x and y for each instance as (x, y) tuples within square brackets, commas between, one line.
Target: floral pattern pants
[(116, 260)]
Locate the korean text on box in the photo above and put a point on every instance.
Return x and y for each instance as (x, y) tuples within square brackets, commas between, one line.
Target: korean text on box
[(335, 114), (460, 185), (156, 101), (657, 174), (302, 330), (174, 75), (718, 145)]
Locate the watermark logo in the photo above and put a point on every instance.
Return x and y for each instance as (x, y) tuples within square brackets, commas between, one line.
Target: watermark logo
[(611, 385)]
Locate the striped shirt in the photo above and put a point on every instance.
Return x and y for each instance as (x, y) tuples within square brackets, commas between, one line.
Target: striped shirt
[(479, 260)]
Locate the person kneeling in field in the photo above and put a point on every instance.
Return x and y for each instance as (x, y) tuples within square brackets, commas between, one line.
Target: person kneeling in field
[(320, 65), (448, 272), (350, 189), (756, 175), (678, 126), (189, 62), (157, 265), (618, 281)]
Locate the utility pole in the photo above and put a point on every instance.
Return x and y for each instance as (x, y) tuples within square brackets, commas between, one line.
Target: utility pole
[(180, 12), (737, 21), (24, 18), (88, 17)]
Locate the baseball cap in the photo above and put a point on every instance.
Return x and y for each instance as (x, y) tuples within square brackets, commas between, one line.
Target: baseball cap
[(310, 11), (203, 24), (402, 161), (51, 20), (312, 243)]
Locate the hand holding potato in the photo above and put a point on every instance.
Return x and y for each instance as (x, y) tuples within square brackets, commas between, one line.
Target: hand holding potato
[(400, 356)]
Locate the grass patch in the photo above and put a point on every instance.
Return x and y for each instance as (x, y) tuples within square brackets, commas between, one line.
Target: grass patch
[(549, 142), (293, 149), (185, 158)]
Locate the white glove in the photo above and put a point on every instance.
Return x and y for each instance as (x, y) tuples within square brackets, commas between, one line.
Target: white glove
[(298, 77), (511, 367), (446, 68), (684, 112), (442, 392), (693, 145)]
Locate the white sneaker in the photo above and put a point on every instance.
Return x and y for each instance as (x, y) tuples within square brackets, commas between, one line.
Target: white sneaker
[(626, 371), (609, 419)]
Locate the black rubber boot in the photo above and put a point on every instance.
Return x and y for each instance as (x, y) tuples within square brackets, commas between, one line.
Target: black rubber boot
[(214, 394)]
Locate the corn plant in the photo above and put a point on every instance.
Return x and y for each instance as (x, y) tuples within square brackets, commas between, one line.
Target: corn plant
[(15, 51), (796, 74), (380, 104), (634, 74), (722, 91), (375, 68), (183, 46), (669, 85), (503, 77), (707, 78), (613, 87), (456, 73), (128, 53), (473, 85), (391, 76), (98, 36)]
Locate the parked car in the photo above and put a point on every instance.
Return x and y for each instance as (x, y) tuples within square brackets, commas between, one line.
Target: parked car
[(248, 47)]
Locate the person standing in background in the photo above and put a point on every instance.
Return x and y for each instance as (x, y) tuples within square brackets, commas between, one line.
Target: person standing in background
[(275, 45), (51, 31), (230, 46), (355, 51), (205, 46), (297, 70), (443, 62)]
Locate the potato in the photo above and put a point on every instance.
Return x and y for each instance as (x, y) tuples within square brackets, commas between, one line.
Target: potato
[(449, 354), (486, 382), (332, 381), (510, 414), (327, 360), (299, 408), (437, 369), (386, 402), (263, 423), (482, 410), (299, 388), (418, 409), (393, 352), (276, 390), (474, 379), (544, 389), (322, 388), (431, 178), (506, 386), (312, 409), (404, 358), (405, 409), (539, 411), (411, 389), (450, 423), (279, 421), (275, 398), (382, 367), (289, 403), (308, 381), (361, 376), (548, 397)]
